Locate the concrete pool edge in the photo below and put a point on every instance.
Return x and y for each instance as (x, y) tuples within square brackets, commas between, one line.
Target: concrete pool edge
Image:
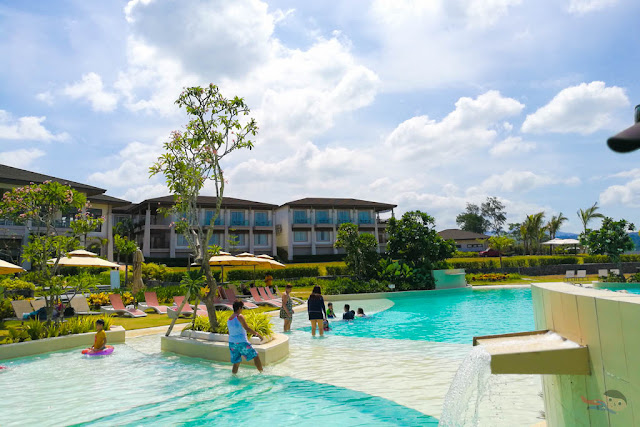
[(270, 353), (31, 348)]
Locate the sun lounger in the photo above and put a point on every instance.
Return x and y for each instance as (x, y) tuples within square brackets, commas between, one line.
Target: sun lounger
[(582, 274), (151, 303), (603, 273), (261, 301), (37, 304), (231, 296), (187, 310), (615, 271), (570, 275), (81, 307), (295, 300), (271, 296), (117, 307), (21, 307), (263, 293)]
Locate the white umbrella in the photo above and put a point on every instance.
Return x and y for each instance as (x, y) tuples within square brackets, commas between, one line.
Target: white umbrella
[(8, 268), (557, 242), (83, 261), (81, 252)]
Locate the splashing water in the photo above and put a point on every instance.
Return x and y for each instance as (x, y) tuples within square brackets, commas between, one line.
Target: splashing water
[(470, 383)]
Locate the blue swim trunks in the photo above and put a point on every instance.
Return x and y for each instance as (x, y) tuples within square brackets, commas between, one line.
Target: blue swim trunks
[(239, 349)]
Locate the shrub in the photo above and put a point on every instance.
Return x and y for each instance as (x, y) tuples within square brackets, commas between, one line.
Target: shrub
[(614, 278), (6, 310), (151, 271), (634, 278), (97, 300), (35, 329), (259, 322), (18, 287), (458, 254), (492, 277), (343, 285), (337, 270), (284, 273), (16, 335)]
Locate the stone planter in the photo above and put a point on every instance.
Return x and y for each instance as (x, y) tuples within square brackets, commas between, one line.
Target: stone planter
[(215, 347), (29, 348)]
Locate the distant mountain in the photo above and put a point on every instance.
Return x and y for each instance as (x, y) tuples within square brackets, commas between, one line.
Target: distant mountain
[(563, 235)]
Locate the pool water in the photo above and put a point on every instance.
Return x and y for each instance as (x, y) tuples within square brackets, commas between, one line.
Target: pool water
[(454, 316), (133, 387), (631, 288)]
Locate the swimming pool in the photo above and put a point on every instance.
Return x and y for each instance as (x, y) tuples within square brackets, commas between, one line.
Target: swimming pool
[(393, 368), (632, 288)]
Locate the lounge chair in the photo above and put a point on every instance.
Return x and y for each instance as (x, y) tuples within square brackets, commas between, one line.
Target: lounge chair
[(117, 307), (258, 299), (37, 304), (582, 274), (603, 273), (231, 296), (570, 275), (295, 299), (151, 303), (81, 307), (187, 310), (615, 271), (21, 307), (263, 293)]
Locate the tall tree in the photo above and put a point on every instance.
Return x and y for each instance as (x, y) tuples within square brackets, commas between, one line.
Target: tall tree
[(193, 157), (533, 231), (500, 244), (124, 247), (472, 220), (361, 250), (493, 211), (555, 223), (586, 215), (612, 239)]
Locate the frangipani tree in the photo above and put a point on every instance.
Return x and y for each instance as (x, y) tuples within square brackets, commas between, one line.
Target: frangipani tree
[(217, 126)]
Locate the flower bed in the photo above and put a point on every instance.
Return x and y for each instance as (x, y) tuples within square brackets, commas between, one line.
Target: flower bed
[(491, 277)]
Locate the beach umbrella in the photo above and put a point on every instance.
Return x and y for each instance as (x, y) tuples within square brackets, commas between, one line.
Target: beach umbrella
[(227, 260), (8, 268), (559, 242), (82, 258), (81, 252)]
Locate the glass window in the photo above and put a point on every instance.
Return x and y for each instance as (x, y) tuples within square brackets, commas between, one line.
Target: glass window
[(96, 213), (299, 236), (299, 217), (323, 236), (240, 239), (261, 218), (364, 217), (215, 239), (261, 239), (237, 218), (344, 216), (322, 217), (182, 241)]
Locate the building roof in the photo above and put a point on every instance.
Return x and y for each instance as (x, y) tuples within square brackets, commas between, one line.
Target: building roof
[(455, 234), (205, 201), (110, 200), (329, 202), (17, 176)]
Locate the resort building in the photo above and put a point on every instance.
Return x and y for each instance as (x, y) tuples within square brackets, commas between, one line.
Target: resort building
[(308, 227), (13, 236), (466, 241), (242, 226)]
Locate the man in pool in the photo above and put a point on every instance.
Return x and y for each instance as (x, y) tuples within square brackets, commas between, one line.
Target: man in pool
[(348, 313), (238, 343), (100, 341)]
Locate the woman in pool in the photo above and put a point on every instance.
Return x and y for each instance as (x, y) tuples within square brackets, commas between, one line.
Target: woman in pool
[(286, 312), (317, 311), (361, 313)]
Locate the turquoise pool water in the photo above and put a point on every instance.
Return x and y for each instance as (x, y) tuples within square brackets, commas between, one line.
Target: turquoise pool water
[(631, 288), (131, 387), (454, 316)]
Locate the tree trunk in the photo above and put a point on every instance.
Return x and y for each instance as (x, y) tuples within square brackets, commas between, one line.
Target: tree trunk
[(210, 297), (173, 321)]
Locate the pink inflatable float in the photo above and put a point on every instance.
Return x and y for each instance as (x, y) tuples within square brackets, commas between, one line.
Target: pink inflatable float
[(107, 350)]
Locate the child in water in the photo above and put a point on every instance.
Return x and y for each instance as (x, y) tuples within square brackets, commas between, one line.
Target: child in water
[(361, 313), (330, 313), (100, 341)]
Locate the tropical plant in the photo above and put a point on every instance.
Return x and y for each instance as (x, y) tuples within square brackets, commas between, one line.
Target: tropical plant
[(361, 250), (194, 156), (555, 223), (192, 282), (124, 247), (472, 220), (612, 239), (259, 322), (532, 231), (500, 244), (586, 215), (84, 224)]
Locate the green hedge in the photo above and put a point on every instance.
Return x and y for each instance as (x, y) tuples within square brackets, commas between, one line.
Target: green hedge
[(337, 270), (600, 259), (318, 258), (285, 273), (344, 285), (511, 262)]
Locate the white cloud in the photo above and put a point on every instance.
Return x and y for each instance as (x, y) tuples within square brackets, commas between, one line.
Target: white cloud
[(627, 194), (582, 109), (92, 89), (27, 128), (143, 192), (519, 181), (511, 145), (470, 126), (46, 97), (585, 6), (132, 169), (22, 158)]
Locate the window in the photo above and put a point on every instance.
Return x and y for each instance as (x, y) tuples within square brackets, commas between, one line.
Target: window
[(300, 217), (262, 219), (478, 245), (240, 239), (96, 213), (209, 213), (459, 246), (182, 241), (215, 239), (364, 217), (299, 236), (237, 218), (261, 239), (343, 216), (323, 236), (322, 217)]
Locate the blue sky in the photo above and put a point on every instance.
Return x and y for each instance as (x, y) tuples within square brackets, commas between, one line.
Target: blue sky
[(426, 104)]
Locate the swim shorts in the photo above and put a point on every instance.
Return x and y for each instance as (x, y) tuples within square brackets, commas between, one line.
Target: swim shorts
[(239, 349)]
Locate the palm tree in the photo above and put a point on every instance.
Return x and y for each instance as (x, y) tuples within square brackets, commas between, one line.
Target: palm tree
[(588, 214), (533, 230), (554, 225)]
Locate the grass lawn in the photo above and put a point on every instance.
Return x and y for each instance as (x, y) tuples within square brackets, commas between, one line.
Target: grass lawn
[(534, 279)]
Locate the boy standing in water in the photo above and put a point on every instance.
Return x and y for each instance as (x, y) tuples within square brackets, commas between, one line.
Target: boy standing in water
[(238, 343)]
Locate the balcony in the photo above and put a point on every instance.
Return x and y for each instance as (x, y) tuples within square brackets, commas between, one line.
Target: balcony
[(301, 221), (344, 220), (6, 222), (263, 223), (239, 222), (219, 221), (365, 221), (62, 223), (324, 221)]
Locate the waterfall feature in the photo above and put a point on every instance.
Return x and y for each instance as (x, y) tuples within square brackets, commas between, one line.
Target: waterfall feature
[(469, 386)]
